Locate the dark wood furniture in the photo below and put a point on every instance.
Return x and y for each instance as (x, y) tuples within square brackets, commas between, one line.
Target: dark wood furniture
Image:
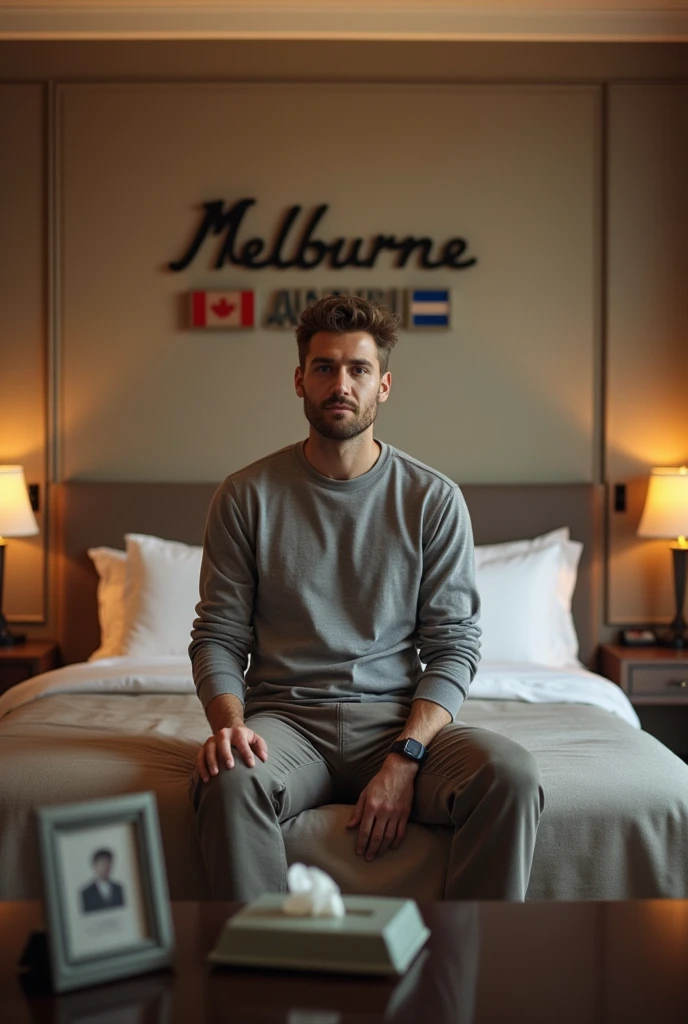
[(26, 660), (656, 682), (538, 962), (649, 675)]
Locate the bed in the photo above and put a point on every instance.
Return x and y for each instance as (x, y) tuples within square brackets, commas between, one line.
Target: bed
[(616, 817)]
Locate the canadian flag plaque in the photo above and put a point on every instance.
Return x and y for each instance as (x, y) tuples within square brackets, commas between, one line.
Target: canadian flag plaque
[(226, 310)]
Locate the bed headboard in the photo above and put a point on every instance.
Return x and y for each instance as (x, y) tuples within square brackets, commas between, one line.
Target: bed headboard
[(93, 514)]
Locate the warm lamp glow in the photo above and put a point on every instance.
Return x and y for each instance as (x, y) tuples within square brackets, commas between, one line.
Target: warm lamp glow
[(666, 515), (16, 520), (666, 506), (16, 515)]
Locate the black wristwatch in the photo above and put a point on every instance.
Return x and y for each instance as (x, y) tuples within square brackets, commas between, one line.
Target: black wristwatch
[(412, 749)]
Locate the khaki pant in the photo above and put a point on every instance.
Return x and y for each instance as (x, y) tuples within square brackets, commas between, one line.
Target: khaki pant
[(478, 782)]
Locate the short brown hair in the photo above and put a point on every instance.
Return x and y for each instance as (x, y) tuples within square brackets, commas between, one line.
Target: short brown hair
[(344, 314)]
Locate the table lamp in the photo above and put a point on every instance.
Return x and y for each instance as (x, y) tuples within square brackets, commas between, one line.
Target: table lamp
[(16, 520), (666, 515)]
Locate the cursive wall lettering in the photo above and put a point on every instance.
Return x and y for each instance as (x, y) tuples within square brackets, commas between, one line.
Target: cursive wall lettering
[(307, 251)]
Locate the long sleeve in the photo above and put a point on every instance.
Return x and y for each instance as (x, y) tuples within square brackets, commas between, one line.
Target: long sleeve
[(222, 634), (334, 587), (448, 635)]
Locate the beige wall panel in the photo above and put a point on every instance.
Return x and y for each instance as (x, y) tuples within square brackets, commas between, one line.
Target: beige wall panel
[(22, 331), (647, 379), (506, 395)]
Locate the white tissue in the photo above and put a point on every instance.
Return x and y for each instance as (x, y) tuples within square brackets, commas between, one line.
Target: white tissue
[(313, 893)]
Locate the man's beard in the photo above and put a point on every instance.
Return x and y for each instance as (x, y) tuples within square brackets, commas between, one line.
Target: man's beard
[(351, 424)]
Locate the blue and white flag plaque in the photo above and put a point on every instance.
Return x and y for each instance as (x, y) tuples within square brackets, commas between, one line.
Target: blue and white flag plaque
[(428, 308)]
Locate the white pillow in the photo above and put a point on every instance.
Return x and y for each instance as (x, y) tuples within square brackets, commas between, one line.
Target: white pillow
[(488, 552), (111, 567), (571, 550), (160, 596), (526, 606), (146, 602)]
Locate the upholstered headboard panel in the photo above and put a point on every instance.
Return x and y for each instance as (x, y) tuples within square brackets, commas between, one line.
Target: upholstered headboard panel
[(93, 514)]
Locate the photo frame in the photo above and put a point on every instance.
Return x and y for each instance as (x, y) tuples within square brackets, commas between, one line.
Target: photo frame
[(105, 890)]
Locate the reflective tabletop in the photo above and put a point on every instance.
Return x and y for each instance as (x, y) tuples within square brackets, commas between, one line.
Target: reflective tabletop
[(535, 962)]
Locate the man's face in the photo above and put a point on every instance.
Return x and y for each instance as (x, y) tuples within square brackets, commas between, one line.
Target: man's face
[(101, 866), (341, 370)]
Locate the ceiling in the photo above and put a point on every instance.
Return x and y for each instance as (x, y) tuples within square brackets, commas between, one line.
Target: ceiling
[(535, 20)]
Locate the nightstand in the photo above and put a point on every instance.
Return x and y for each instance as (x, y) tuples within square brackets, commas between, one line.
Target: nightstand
[(655, 679), (26, 660)]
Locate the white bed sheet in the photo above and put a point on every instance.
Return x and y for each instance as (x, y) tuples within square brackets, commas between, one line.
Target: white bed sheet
[(531, 684), (536, 684)]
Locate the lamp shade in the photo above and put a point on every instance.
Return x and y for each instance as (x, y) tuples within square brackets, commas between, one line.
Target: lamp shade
[(666, 505), (16, 515)]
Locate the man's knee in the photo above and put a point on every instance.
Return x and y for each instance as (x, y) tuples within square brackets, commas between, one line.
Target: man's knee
[(232, 787), (512, 770)]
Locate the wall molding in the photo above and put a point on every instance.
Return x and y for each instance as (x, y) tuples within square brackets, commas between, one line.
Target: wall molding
[(416, 20)]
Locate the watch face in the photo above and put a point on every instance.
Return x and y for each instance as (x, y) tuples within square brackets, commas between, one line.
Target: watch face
[(413, 748)]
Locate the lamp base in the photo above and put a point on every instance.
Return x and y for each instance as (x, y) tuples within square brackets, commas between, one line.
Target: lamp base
[(668, 638), (10, 639), (676, 635), (7, 638)]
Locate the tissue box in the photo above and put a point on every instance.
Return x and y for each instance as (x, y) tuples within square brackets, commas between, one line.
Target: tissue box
[(377, 935)]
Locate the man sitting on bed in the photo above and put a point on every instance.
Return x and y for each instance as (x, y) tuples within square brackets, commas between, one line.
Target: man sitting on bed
[(334, 563)]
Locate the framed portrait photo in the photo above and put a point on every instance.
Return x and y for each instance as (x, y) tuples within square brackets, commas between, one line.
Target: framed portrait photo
[(106, 897)]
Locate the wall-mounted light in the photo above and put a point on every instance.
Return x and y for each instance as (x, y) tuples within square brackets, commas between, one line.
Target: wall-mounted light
[(16, 520), (666, 515)]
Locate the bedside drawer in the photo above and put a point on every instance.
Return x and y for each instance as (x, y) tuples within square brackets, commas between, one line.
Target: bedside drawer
[(658, 681)]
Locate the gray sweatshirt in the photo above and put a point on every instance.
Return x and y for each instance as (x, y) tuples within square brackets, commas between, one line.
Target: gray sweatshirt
[(335, 587)]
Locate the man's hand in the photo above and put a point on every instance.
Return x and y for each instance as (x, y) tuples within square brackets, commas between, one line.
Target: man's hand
[(384, 807), (218, 748)]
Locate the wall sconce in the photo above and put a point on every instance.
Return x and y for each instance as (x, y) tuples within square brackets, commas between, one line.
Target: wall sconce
[(666, 515), (16, 520)]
